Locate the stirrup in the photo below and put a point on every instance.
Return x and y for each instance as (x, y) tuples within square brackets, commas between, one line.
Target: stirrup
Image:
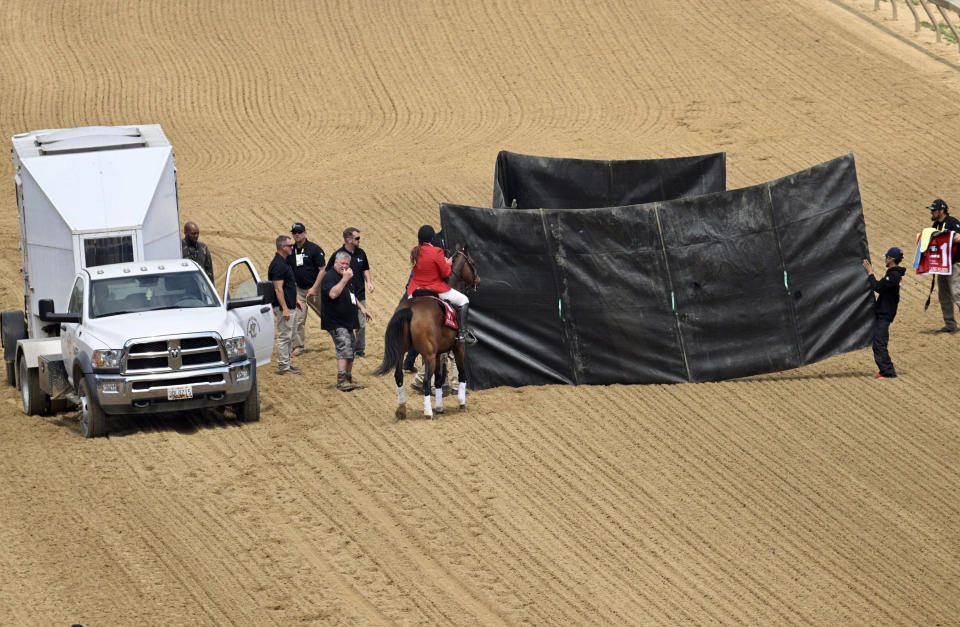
[(466, 336)]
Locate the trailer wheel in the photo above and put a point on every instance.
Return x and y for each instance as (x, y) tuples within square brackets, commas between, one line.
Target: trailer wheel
[(34, 400), (93, 422), (11, 373), (249, 410)]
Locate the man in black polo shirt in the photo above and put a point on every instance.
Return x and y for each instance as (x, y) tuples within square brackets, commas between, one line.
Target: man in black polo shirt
[(362, 283), (308, 263), (339, 313), (286, 304)]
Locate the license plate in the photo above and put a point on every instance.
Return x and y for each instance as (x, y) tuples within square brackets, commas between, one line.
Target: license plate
[(179, 392)]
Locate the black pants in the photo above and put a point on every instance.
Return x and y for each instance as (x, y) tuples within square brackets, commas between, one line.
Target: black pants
[(881, 336)]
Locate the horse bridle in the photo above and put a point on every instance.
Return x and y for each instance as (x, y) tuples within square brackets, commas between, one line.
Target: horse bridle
[(473, 267)]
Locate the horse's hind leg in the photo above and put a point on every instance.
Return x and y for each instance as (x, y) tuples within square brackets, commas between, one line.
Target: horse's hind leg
[(439, 381), (429, 364), (460, 357), (401, 412)]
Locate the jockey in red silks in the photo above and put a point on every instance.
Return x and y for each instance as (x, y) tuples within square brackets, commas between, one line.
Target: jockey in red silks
[(430, 268)]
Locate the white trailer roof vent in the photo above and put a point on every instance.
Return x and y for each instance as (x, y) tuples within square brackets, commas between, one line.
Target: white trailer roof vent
[(90, 143), (86, 131)]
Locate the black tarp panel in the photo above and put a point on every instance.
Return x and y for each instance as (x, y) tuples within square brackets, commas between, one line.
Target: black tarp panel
[(560, 183), (713, 287)]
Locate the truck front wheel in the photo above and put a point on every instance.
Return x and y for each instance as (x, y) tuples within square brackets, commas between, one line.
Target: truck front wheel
[(249, 410), (93, 422), (34, 400)]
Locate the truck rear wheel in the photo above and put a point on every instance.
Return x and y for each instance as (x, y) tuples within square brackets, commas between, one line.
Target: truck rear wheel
[(93, 422), (11, 373), (34, 400), (249, 410)]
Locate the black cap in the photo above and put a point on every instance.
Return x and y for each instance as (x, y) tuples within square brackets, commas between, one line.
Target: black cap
[(298, 228), (937, 205), (895, 253)]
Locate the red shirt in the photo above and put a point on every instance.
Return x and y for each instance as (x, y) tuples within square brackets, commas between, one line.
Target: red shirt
[(431, 269)]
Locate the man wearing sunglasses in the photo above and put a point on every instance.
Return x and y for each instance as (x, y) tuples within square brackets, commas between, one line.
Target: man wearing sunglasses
[(286, 304), (361, 281)]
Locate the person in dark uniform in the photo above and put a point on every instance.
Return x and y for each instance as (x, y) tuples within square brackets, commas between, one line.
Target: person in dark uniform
[(192, 248), (885, 308), (948, 285), (339, 312), (286, 303), (309, 265), (362, 283)]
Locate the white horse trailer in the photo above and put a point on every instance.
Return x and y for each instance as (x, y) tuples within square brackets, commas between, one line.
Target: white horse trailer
[(86, 197)]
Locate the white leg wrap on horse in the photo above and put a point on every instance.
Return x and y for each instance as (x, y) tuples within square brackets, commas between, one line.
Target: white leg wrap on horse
[(401, 395), (427, 408), (439, 393), (462, 393)]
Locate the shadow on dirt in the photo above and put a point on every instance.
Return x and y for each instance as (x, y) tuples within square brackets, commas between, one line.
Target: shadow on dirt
[(808, 377), (184, 423)]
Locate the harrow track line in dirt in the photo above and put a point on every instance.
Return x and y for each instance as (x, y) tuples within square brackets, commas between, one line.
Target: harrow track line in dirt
[(705, 461), (447, 495), (264, 536), (890, 458), (850, 575), (599, 472), (191, 525), (368, 509), (544, 478), (404, 541), (574, 531), (418, 473)]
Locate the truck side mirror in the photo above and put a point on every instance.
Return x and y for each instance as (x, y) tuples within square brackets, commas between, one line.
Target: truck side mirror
[(265, 290), (46, 313)]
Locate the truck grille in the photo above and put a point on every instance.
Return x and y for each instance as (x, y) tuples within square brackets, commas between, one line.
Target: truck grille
[(173, 354)]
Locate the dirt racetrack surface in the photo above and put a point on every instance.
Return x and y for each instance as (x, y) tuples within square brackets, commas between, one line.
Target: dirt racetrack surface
[(816, 496)]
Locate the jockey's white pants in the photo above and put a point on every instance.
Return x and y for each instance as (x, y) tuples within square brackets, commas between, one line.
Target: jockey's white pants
[(455, 298)]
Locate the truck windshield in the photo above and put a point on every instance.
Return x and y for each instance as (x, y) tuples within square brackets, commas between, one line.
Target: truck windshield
[(130, 294)]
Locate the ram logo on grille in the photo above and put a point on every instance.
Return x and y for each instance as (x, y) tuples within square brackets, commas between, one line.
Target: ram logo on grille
[(174, 352)]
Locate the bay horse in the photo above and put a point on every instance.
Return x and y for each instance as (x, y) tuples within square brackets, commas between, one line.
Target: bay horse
[(418, 323)]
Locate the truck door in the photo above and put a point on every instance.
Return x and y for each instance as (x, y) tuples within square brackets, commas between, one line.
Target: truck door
[(257, 320), (68, 330)]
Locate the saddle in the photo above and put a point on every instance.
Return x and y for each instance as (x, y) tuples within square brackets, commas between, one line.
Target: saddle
[(449, 315)]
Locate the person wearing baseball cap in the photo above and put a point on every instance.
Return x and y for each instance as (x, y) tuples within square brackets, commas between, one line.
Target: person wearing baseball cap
[(309, 264), (885, 308), (948, 285)]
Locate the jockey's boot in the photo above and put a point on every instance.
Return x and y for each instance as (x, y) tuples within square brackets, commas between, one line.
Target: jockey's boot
[(464, 335)]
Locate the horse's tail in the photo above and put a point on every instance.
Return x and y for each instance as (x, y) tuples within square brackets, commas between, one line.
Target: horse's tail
[(397, 329)]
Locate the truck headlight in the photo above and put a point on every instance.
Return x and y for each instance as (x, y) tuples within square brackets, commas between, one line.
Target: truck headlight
[(108, 358), (236, 348)]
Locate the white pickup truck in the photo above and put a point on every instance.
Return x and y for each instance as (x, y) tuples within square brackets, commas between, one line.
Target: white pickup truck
[(154, 336)]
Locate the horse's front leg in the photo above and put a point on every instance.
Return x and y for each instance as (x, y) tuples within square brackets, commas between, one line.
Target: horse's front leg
[(401, 412)]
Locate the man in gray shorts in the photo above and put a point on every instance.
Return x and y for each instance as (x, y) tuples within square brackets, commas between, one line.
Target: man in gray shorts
[(338, 316)]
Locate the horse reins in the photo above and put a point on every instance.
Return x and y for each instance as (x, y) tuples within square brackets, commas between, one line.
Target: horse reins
[(473, 268)]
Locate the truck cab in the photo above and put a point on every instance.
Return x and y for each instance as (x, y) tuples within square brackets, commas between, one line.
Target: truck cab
[(155, 336)]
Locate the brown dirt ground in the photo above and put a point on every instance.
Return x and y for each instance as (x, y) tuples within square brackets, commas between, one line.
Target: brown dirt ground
[(816, 496)]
